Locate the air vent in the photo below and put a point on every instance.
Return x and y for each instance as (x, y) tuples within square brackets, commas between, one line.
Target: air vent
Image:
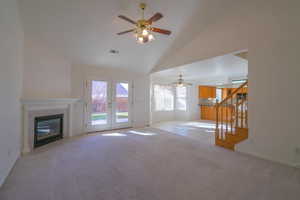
[(113, 51)]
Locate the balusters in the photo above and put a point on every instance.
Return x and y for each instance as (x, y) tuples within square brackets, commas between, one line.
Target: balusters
[(242, 114), (231, 115), (236, 111), (246, 114), (217, 119), (226, 121), (221, 107)]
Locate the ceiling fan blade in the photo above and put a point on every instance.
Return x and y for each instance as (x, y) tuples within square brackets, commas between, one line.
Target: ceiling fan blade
[(155, 18), (128, 31), (162, 31), (127, 19)]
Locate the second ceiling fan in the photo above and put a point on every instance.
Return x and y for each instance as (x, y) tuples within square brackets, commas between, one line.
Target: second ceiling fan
[(143, 28)]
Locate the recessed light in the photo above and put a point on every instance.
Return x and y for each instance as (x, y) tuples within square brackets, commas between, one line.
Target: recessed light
[(113, 51)]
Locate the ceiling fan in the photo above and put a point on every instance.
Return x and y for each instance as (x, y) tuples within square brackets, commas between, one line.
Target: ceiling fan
[(143, 28), (181, 83)]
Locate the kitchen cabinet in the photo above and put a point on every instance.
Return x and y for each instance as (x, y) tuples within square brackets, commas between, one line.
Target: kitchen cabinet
[(207, 92), (209, 112)]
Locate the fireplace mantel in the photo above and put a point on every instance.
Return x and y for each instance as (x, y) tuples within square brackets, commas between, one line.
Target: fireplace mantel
[(45, 102), (39, 107)]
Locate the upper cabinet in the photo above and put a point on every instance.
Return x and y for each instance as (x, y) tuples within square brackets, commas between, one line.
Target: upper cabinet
[(207, 92)]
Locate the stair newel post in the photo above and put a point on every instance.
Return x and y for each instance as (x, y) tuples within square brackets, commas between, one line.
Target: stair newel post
[(226, 120), (217, 119), (242, 114), (221, 121), (246, 112), (236, 112), (231, 115)]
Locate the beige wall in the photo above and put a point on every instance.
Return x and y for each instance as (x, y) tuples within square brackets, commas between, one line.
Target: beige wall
[(270, 31), (46, 72), (11, 41)]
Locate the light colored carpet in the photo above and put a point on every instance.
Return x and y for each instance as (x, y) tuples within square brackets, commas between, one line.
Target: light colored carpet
[(146, 164), (202, 130)]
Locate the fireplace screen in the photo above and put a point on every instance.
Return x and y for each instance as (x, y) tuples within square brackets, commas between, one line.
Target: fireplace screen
[(48, 129)]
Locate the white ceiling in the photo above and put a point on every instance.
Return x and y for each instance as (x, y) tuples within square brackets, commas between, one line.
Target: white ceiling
[(84, 31), (218, 70)]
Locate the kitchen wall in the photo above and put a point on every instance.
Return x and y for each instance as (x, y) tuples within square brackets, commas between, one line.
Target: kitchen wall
[(270, 31), (141, 96), (11, 60)]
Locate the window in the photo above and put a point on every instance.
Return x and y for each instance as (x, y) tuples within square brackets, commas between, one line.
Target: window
[(163, 98), (181, 93), (219, 94)]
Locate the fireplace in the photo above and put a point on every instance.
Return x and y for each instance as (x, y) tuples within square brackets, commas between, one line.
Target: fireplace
[(48, 129)]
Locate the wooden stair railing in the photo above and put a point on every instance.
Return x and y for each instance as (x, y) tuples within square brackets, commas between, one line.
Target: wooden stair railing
[(232, 119)]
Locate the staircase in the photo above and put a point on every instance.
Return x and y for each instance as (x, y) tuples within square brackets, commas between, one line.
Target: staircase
[(232, 119)]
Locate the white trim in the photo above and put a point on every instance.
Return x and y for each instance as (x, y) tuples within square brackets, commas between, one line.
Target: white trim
[(47, 101)]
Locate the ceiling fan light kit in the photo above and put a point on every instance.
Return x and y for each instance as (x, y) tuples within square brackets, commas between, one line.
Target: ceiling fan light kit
[(181, 83), (143, 30)]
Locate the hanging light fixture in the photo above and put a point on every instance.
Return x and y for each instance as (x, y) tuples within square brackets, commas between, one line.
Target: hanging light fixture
[(143, 29), (181, 83), (144, 33)]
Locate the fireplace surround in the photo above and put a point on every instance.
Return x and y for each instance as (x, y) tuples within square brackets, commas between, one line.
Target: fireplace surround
[(41, 109)]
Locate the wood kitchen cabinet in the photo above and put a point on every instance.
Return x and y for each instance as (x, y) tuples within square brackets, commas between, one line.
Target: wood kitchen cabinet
[(210, 113), (207, 92)]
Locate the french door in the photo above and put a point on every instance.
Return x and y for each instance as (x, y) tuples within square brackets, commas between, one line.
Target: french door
[(108, 105)]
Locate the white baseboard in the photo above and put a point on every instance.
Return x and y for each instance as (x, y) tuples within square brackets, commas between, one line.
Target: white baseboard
[(9, 169)]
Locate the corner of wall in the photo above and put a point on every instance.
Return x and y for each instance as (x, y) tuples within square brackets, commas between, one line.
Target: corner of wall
[(7, 171)]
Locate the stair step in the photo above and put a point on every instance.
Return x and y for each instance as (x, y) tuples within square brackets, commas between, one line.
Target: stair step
[(225, 144), (233, 139)]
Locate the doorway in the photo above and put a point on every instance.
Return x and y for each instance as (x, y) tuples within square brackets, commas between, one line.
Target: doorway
[(108, 105)]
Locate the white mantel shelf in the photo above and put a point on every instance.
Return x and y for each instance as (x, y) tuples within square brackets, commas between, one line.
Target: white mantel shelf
[(49, 101)]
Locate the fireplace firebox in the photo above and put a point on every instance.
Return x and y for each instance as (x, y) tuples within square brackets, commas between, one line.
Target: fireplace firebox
[(48, 129)]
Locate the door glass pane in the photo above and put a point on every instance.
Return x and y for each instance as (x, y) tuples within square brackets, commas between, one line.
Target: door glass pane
[(99, 103), (122, 102)]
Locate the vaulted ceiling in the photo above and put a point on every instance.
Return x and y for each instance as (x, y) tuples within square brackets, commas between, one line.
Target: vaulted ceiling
[(85, 31)]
